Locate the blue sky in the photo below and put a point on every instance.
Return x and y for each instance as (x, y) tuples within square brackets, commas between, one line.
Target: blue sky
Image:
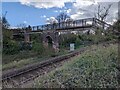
[(36, 13), (18, 13)]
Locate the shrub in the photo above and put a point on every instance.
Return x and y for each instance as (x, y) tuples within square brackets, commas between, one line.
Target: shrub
[(38, 48), (11, 47), (65, 40), (78, 42), (36, 37), (25, 46)]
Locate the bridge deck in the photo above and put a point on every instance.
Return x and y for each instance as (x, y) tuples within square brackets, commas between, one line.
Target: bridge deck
[(77, 27), (69, 25)]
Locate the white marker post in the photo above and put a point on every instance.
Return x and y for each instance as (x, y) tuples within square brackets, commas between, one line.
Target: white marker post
[(72, 47)]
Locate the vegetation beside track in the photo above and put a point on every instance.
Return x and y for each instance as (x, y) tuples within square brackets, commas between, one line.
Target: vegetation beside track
[(26, 58), (94, 68)]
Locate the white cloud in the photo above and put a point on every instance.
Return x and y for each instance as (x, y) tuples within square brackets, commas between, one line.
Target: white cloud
[(51, 20), (68, 11), (75, 16), (114, 20), (80, 9), (25, 22), (84, 3), (56, 11), (44, 16), (64, 10), (13, 27), (80, 13), (45, 3), (57, 0), (83, 10), (60, 11), (107, 0)]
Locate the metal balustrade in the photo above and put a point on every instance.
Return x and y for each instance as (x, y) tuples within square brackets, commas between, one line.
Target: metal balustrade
[(74, 24), (63, 25)]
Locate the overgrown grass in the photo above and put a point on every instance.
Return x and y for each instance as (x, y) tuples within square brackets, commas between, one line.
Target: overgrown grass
[(94, 68), (17, 57), (22, 62), (27, 57)]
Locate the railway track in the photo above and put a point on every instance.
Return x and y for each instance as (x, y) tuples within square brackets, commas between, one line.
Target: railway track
[(18, 77)]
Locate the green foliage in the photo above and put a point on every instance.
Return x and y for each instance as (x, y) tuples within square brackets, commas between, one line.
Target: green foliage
[(85, 39), (116, 25), (95, 68), (38, 47), (111, 36), (36, 38), (100, 36), (99, 31), (26, 60), (19, 38), (25, 45), (78, 42), (11, 47), (7, 35), (66, 39)]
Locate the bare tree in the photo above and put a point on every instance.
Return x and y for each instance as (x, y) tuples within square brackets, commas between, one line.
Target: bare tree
[(5, 23), (62, 17), (102, 13), (68, 19), (21, 26)]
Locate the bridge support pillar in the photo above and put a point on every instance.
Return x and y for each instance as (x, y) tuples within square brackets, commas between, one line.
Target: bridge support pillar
[(45, 44), (26, 37), (56, 47)]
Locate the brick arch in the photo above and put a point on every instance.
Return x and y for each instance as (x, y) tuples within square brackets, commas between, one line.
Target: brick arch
[(54, 37), (49, 40)]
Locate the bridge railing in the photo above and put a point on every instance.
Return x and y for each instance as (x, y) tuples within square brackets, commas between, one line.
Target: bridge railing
[(62, 25), (66, 25), (102, 24), (70, 24)]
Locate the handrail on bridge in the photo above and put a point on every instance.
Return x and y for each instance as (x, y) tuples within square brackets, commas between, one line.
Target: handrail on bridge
[(68, 24), (73, 23)]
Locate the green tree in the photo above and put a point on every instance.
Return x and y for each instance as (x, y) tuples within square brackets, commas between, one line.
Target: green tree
[(9, 46)]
